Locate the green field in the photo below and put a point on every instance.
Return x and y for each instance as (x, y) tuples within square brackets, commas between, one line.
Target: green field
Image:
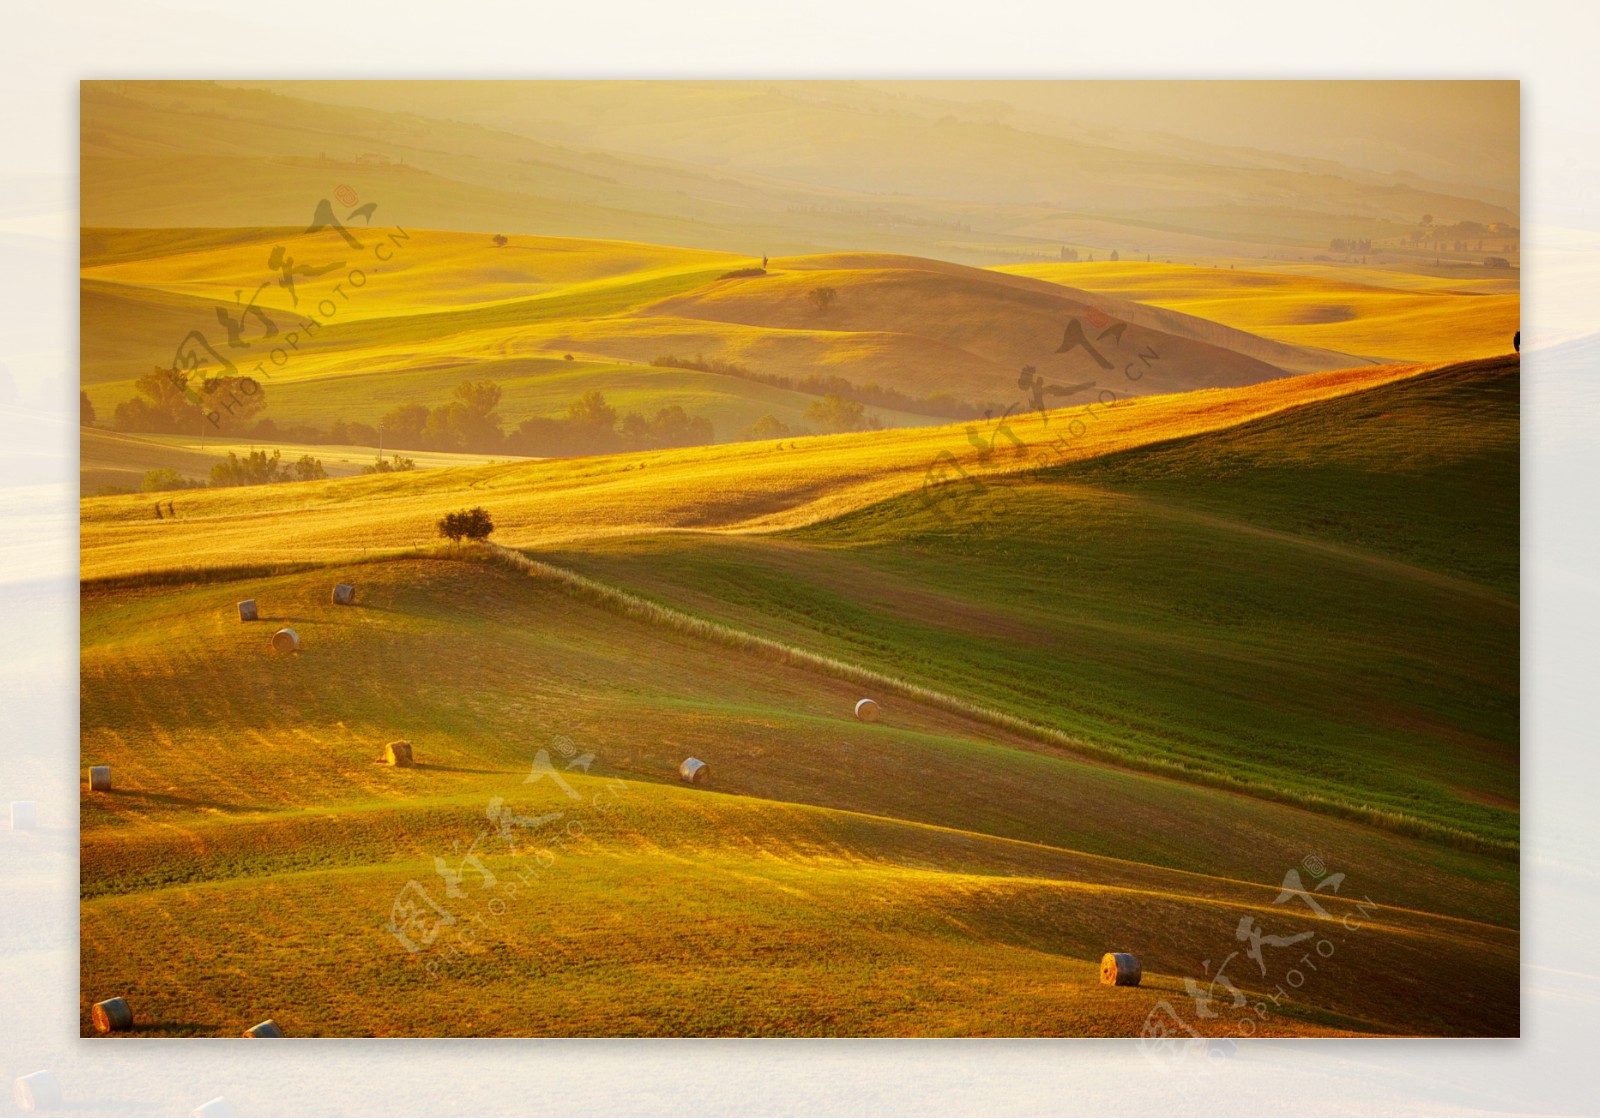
[(1159, 483), (1122, 698), (1323, 601)]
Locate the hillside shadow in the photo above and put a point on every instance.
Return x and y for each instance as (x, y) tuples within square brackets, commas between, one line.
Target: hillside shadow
[(186, 802), (297, 620), (458, 769), (175, 1029)]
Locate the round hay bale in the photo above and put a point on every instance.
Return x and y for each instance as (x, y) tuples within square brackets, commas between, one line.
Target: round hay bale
[(247, 610), (216, 1108), (343, 594), (269, 1028), (112, 1016), (38, 1091), (24, 815), (286, 641), (867, 710), (397, 753), (694, 771), (100, 778), (1120, 969)]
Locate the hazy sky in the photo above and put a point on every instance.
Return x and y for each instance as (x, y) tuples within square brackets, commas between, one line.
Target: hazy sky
[(1464, 133), (1467, 131)]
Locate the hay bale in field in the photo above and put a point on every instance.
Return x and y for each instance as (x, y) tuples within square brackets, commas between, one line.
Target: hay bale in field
[(343, 594), (269, 1028), (24, 815), (38, 1091), (694, 771), (247, 610), (1120, 969), (112, 1016), (867, 710), (286, 641), (100, 778), (216, 1108), (397, 753)]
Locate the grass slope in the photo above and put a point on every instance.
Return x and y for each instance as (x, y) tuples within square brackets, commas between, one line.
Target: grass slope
[(858, 880), (1322, 601), (746, 487)]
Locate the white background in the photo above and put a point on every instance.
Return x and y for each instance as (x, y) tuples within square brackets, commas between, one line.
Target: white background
[(1551, 47)]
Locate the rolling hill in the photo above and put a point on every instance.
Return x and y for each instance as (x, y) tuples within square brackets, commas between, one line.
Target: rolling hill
[(886, 906), (1193, 599), (743, 487), (1128, 685), (1468, 313), (549, 319), (764, 167)]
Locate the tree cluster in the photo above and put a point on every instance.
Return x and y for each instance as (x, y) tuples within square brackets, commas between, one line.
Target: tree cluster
[(870, 394), (394, 464), (255, 469), (592, 426), (467, 422), (836, 413), (473, 524), (822, 298), (172, 402), (165, 478), (258, 468)]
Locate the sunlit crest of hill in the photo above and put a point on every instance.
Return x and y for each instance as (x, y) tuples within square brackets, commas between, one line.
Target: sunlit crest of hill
[(1215, 595), (1451, 317), (550, 318)]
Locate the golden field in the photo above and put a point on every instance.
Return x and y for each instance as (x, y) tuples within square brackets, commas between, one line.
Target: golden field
[(1187, 585), (548, 319), (1383, 314), (837, 878), (762, 486)]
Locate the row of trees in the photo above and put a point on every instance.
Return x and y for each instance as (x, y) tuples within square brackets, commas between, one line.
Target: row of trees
[(173, 402), (470, 422), (871, 394), (259, 468), (466, 422), (177, 403), (254, 469), (1072, 256), (831, 413), (592, 426)]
